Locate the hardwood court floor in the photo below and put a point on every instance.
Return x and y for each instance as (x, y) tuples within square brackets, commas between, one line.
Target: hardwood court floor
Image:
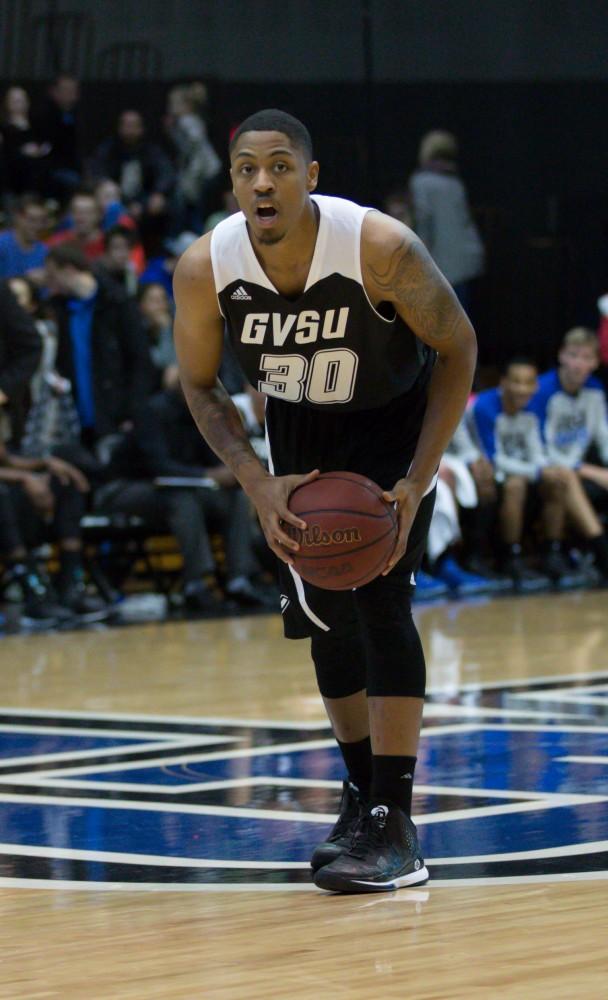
[(540, 938)]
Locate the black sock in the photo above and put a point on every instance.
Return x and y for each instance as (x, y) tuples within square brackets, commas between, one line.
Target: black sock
[(599, 546), (393, 779), (358, 760)]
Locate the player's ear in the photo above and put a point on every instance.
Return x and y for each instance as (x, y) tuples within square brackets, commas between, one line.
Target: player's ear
[(312, 175), (232, 182)]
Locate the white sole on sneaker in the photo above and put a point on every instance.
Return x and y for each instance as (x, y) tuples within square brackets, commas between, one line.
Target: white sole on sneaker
[(399, 883), (346, 885)]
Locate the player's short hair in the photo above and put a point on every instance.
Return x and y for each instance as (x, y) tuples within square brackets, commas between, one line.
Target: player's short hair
[(517, 359), (273, 120), (581, 336)]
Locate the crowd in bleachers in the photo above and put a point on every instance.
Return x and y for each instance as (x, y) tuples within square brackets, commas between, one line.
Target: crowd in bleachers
[(93, 420), (92, 412)]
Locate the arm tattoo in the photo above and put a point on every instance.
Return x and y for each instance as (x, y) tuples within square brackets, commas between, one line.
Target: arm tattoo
[(218, 420), (410, 279)]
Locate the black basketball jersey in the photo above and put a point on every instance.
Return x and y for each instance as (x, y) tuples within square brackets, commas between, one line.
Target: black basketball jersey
[(329, 347)]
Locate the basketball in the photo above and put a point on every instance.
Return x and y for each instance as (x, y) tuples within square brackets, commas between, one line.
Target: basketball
[(350, 530)]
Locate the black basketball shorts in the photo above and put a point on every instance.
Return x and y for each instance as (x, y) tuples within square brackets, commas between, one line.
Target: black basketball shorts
[(379, 444)]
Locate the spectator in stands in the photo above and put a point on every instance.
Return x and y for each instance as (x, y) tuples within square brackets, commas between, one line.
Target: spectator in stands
[(157, 319), (112, 211), (140, 167), (571, 406), (102, 347), (159, 269), (58, 124), (465, 496), (117, 260), (28, 297), (42, 499), (444, 546), (83, 228), (26, 157), (471, 477), (442, 217), (602, 337), (52, 419), (20, 350), (22, 251), (197, 163), (167, 445), (511, 438)]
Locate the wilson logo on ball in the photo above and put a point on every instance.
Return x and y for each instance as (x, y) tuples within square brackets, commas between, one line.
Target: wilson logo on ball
[(314, 535)]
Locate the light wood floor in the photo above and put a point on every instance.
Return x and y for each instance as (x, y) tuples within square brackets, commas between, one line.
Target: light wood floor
[(528, 941)]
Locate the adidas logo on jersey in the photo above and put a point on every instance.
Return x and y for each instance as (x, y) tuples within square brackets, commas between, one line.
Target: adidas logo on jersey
[(285, 602), (240, 295)]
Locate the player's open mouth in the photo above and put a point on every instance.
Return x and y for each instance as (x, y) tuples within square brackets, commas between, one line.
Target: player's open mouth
[(265, 214)]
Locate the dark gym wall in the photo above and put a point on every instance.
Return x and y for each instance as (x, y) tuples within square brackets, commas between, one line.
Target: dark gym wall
[(308, 40), (523, 83)]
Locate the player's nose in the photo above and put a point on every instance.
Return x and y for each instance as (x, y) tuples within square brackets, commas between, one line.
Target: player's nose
[(264, 181)]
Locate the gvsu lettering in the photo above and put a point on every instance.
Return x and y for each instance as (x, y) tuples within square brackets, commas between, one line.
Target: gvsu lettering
[(305, 327)]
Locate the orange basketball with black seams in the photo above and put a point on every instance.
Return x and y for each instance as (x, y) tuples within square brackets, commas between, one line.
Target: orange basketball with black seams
[(350, 530)]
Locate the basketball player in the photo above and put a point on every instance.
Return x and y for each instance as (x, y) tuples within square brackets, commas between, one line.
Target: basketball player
[(337, 314)]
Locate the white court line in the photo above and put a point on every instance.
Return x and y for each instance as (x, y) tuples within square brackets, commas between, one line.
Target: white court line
[(533, 727), (241, 812), (61, 885), (247, 781), (510, 682), (569, 697), (436, 710), (219, 755), (47, 758), (202, 720), (170, 861), (136, 765), (162, 860), (469, 883), (584, 760), (413, 894), (493, 793), (6, 727), (171, 807), (566, 851), (557, 802)]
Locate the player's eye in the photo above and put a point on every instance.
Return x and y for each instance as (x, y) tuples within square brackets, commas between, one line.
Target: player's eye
[(246, 169), (280, 167)]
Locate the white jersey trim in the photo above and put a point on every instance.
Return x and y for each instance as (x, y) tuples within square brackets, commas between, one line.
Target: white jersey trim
[(336, 251)]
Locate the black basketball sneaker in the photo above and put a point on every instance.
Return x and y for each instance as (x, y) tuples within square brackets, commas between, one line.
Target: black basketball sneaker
[(352, 808), (384, 855)]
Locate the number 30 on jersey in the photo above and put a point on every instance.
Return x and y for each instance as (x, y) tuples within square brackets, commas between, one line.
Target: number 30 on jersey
[(329, 376)]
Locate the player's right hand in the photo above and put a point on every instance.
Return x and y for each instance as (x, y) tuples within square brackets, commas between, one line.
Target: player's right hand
[(270, 496)]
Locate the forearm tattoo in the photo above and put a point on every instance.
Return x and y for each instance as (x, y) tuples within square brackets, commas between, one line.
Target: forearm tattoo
[(218, 420), (411, 279)]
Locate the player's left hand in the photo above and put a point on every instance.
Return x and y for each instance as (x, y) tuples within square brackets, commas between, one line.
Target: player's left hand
[(406, 498)]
